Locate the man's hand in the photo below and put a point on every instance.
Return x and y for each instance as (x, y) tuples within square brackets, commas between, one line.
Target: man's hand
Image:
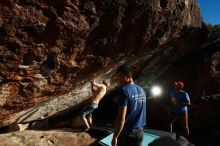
[(174, 101), (114, 141)]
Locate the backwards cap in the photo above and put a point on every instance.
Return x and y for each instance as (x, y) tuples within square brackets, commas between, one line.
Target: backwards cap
[(179, 84)]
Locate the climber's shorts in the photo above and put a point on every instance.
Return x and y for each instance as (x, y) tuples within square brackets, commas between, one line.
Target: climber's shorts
[(88, 109)]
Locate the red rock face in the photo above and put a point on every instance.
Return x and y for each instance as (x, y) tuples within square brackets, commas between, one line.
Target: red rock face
[(49, 50)]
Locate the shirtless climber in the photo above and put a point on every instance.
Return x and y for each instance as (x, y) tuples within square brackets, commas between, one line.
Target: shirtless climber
[(98, 91)]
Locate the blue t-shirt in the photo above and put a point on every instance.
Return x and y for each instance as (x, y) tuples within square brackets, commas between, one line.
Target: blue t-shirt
[(134, 98), (182, 97)]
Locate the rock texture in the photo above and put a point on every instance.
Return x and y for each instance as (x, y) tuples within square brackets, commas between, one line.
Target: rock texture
[(50, 49), (59, 137)]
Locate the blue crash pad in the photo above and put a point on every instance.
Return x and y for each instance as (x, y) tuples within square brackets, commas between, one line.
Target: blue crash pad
[(148, 138)]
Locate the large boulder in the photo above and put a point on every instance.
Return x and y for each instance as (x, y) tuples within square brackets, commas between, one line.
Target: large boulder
[(50, 49)]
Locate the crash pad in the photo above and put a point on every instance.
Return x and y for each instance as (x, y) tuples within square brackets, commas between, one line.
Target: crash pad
[(148, 138)]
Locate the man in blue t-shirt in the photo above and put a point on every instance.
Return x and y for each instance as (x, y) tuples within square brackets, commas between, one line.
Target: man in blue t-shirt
[(179, 110), (131, 116)]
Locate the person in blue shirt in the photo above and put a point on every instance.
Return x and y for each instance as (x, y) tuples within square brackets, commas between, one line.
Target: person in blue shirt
[(179, 108), (131, 115)]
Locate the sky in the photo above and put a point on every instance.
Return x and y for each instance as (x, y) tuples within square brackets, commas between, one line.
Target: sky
[(210, 11)]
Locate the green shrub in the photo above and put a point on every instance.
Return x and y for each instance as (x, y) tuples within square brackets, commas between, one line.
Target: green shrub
[(214, 29)]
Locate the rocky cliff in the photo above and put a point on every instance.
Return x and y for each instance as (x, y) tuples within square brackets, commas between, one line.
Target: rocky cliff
[(50, 49)]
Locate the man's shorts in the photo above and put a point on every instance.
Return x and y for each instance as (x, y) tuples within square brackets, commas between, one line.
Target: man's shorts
[(88, 109), (183, 117)]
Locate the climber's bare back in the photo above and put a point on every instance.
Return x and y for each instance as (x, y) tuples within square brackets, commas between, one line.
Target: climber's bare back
[(98, 94)]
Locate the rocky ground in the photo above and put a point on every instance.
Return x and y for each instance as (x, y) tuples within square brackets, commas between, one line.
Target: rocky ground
[(56, 137)]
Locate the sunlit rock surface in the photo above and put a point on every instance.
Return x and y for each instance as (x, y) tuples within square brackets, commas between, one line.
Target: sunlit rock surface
[(64, 137)]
